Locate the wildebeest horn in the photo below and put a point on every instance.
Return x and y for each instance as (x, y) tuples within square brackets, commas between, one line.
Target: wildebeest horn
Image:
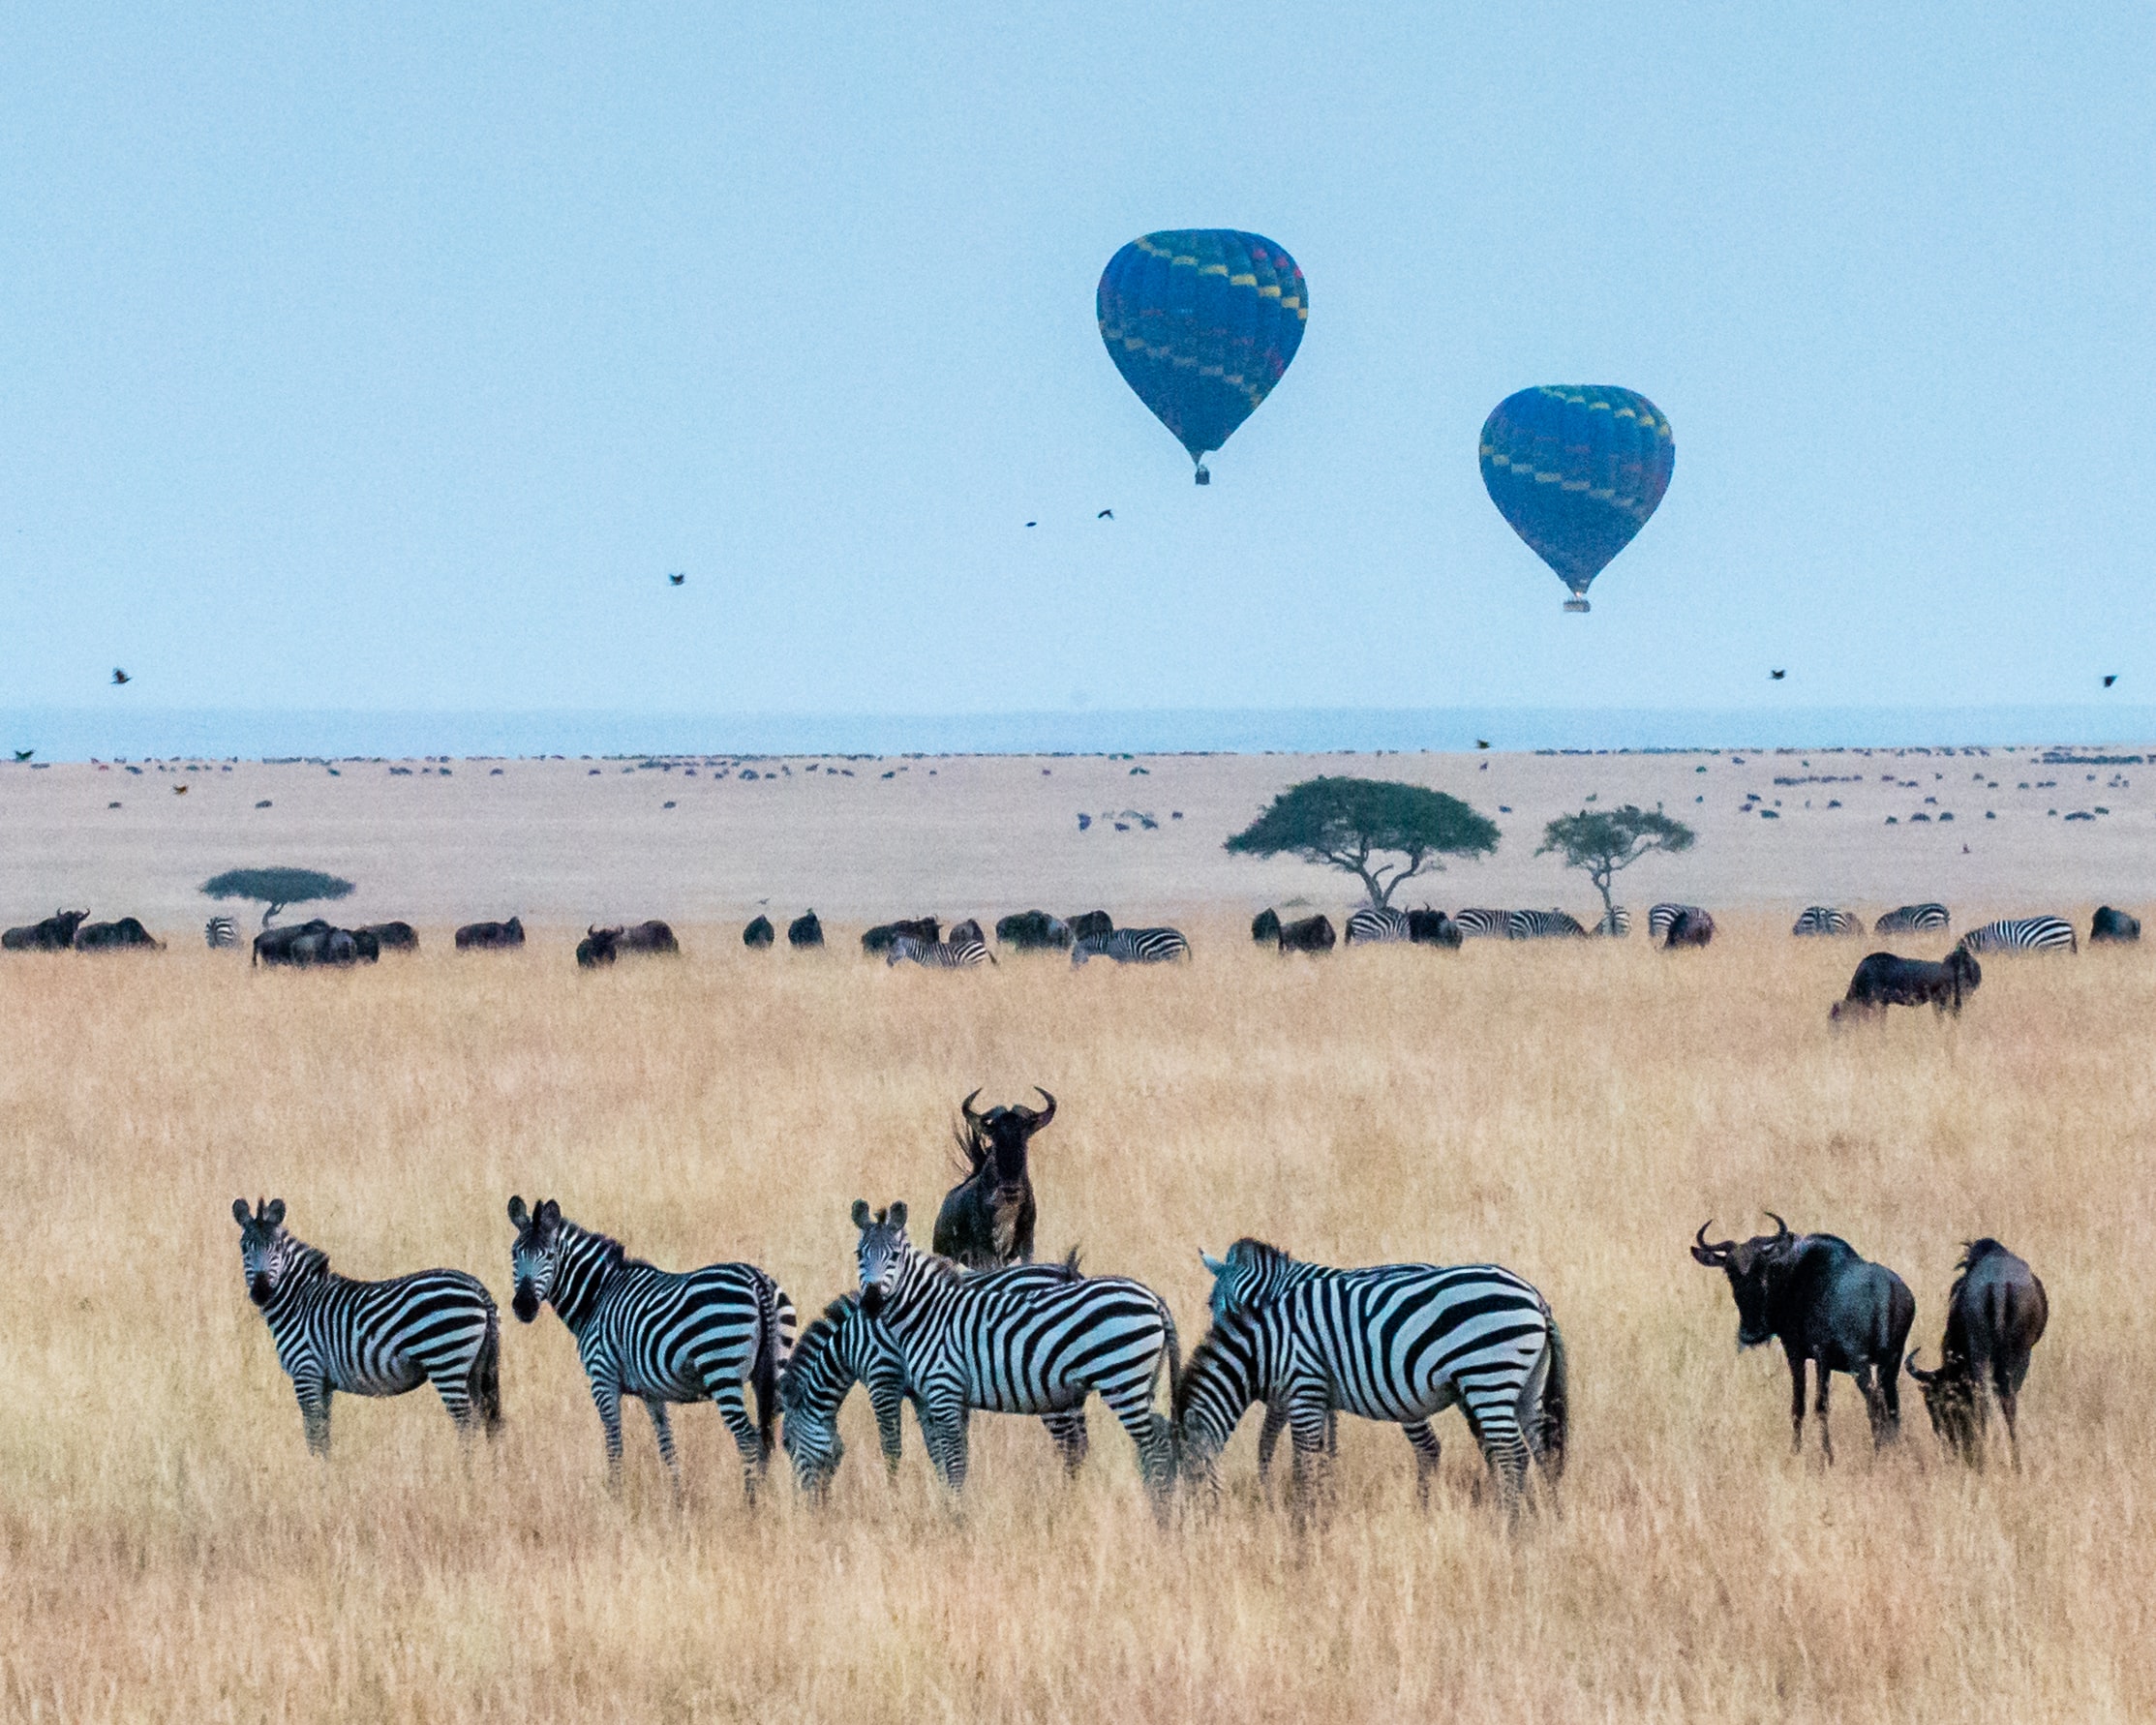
[(1035, 1122), (1781, 1224), (1915, 1371), (966, 1108), (1710, 1252)]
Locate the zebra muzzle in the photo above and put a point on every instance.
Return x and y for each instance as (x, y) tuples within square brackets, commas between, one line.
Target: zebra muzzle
[(257, 1289), (871, 1299), (524, 1304)]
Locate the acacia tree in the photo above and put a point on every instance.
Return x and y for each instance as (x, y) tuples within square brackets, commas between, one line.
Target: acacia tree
[(276, 887), (1607, 840), (1356, 825)]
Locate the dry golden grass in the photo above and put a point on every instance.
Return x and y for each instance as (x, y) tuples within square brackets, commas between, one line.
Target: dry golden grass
[(168, 1548)]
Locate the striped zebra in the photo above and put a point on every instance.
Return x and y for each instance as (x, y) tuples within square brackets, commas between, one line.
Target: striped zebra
[(1822, 919), (1542, 925), (1397, 1342), (2023, 934), (221, 932), (1615, 923), (1382, 923), (659, 1336), (1912, 919), (370, 1337), (845, 1346), (938, 954), (1491, 924), (978, 1341), (1131, 946), (1662, 916)]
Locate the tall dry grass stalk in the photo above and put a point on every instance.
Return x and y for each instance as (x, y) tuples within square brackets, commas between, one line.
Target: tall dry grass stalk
[(168, 1550)]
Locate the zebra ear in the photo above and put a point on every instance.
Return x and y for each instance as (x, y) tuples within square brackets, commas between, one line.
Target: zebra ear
[(548, 1213), (518, 1214), (241, 1214), (897, 1217), (274, 1214), (1218, 1267), (861, 1213)]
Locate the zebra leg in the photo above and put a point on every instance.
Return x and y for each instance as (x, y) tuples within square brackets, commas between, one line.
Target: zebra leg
[(1425, 1444), (890, 1431), (662, 1427), (733, 1408), (606, 1397), (1308, 1417), (944, 1419), (1505, 1453), (1268, 1438), (454, 1387), (313, 1413), (1068, 1429), (1132, 1403)]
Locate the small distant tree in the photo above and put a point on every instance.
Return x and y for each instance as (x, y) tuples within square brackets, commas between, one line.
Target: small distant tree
[(1378, 831), (1607, 840), (276, 887)]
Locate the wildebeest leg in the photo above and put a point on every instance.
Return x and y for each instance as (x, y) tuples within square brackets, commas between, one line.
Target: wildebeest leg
[(1068, 1429), (314, 1411), (607, 1397), (1425, 1444), (733, 1408), (1867, 1377), (1819, 1407), (1890, 1395), (662, 1427), (1796, 1398), (2009, 1397)]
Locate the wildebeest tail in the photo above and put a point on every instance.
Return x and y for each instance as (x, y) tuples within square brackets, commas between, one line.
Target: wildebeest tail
[(486, 1374)]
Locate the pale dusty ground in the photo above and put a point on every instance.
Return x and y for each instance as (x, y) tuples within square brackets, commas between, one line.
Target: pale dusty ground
[(566, 842)]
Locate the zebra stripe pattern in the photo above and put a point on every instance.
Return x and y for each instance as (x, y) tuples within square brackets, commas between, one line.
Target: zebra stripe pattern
[(2023, 934), (1615, 923), (1546, 924), (1662, 916), (221, 932), (1912, 919), (658, 1335), (981, 1341), (940, 955), (370, 1337), (1133, 946), (1400, 1343), (1489, 924), (1823, 918), (1368, 925)]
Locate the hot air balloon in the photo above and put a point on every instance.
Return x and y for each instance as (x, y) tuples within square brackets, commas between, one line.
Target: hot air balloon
[(1577, 471), (1202, 324)]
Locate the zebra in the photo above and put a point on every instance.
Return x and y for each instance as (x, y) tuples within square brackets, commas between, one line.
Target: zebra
[(1131, 946), (654, 1334), (221, 932), (1912, 919), (845, 1346), (1490, 924), (940, 955), (969, 1342), (1662, 916), (370, 1337), (1397, 1342), (1821, 919), (1615, 923), (2023, 934), (1542, 926), (1377, 923)]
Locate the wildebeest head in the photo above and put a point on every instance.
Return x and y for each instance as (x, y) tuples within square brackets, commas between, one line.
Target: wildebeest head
[(1967, 972), (997, 1140), (597, 947), (1750, 1267), (533, 1256), (881, 1253), (1949, 1399), (265, 1249)]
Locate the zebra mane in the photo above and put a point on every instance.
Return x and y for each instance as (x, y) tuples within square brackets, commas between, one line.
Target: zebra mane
[(1263, 1250), (616, 1254), (307, 1260), (809, 1348), (1210, 1357)]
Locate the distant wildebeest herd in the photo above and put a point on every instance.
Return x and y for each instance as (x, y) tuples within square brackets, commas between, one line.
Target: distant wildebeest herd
[(975, 1325)]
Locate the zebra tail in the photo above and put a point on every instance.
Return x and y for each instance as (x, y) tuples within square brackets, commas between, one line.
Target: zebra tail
[(773, 1348), (1173, 1347), (1552, 1419), (486, 1373)]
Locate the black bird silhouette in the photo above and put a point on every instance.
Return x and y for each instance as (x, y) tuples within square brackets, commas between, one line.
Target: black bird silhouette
[(119, 676), (1481, 742), (2112, 679), (179, 790), (1778, 676), (1105, 515), (23, 754), (1032, 524), (677, 580)]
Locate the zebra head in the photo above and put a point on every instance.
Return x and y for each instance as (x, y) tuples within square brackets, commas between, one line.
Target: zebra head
[(1246, 1276), (883, 1253), (266, 1252), (811, 1392), (536, 1257)]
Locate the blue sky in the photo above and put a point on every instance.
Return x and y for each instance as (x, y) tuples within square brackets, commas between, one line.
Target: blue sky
[(371, 357)]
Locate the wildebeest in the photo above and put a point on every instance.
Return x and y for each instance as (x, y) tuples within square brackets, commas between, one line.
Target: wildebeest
[(1090, 925), (365, 944), (986, 1218), (391, 937), (1264, 927), (305, 944), (2110, 925), (597, 948), (1690, 927), (804, 931), (1427, 927), (926, 929), (1823, 1303), (113, 937), (1033, 932), (966, 931), (1994, 1314), (55, 934), (1883, 979), (1311, 934), (490, 935), (759, 934), (653, 936)]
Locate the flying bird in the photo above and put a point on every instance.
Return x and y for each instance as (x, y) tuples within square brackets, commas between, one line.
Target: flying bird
[(1032, 524), (179, 790), (1481, 742), (1105, 515), (119, 676), (1778, 676), (677, 580), (2109, 680), (23, 754)]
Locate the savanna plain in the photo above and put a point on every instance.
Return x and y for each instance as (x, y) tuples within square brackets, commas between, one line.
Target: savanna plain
[(169, 1549)]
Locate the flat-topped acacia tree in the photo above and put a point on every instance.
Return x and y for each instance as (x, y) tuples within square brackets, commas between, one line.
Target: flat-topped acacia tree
[(276, 887), (1604, 842), (1380, 832)]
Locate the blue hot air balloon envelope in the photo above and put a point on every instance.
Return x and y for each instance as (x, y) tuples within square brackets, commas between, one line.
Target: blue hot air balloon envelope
[(1577, 471), (1202, 324)]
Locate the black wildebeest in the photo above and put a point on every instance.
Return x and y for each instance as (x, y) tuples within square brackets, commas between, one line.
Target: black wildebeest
[(306, 944), (1313, 934), (490, 935), (1264, 927), (1823, 1303), (2110, 925), (597, 948), (1427, 927), (1994, 1316), (877, 940), (1090, 925), (804, 931), (986, 1218), (391, 937), (1033, 932), (115, 937), (653, 936), (1883, 979), (1690, 927), (759, 934), (366, 945), (55, 934)]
